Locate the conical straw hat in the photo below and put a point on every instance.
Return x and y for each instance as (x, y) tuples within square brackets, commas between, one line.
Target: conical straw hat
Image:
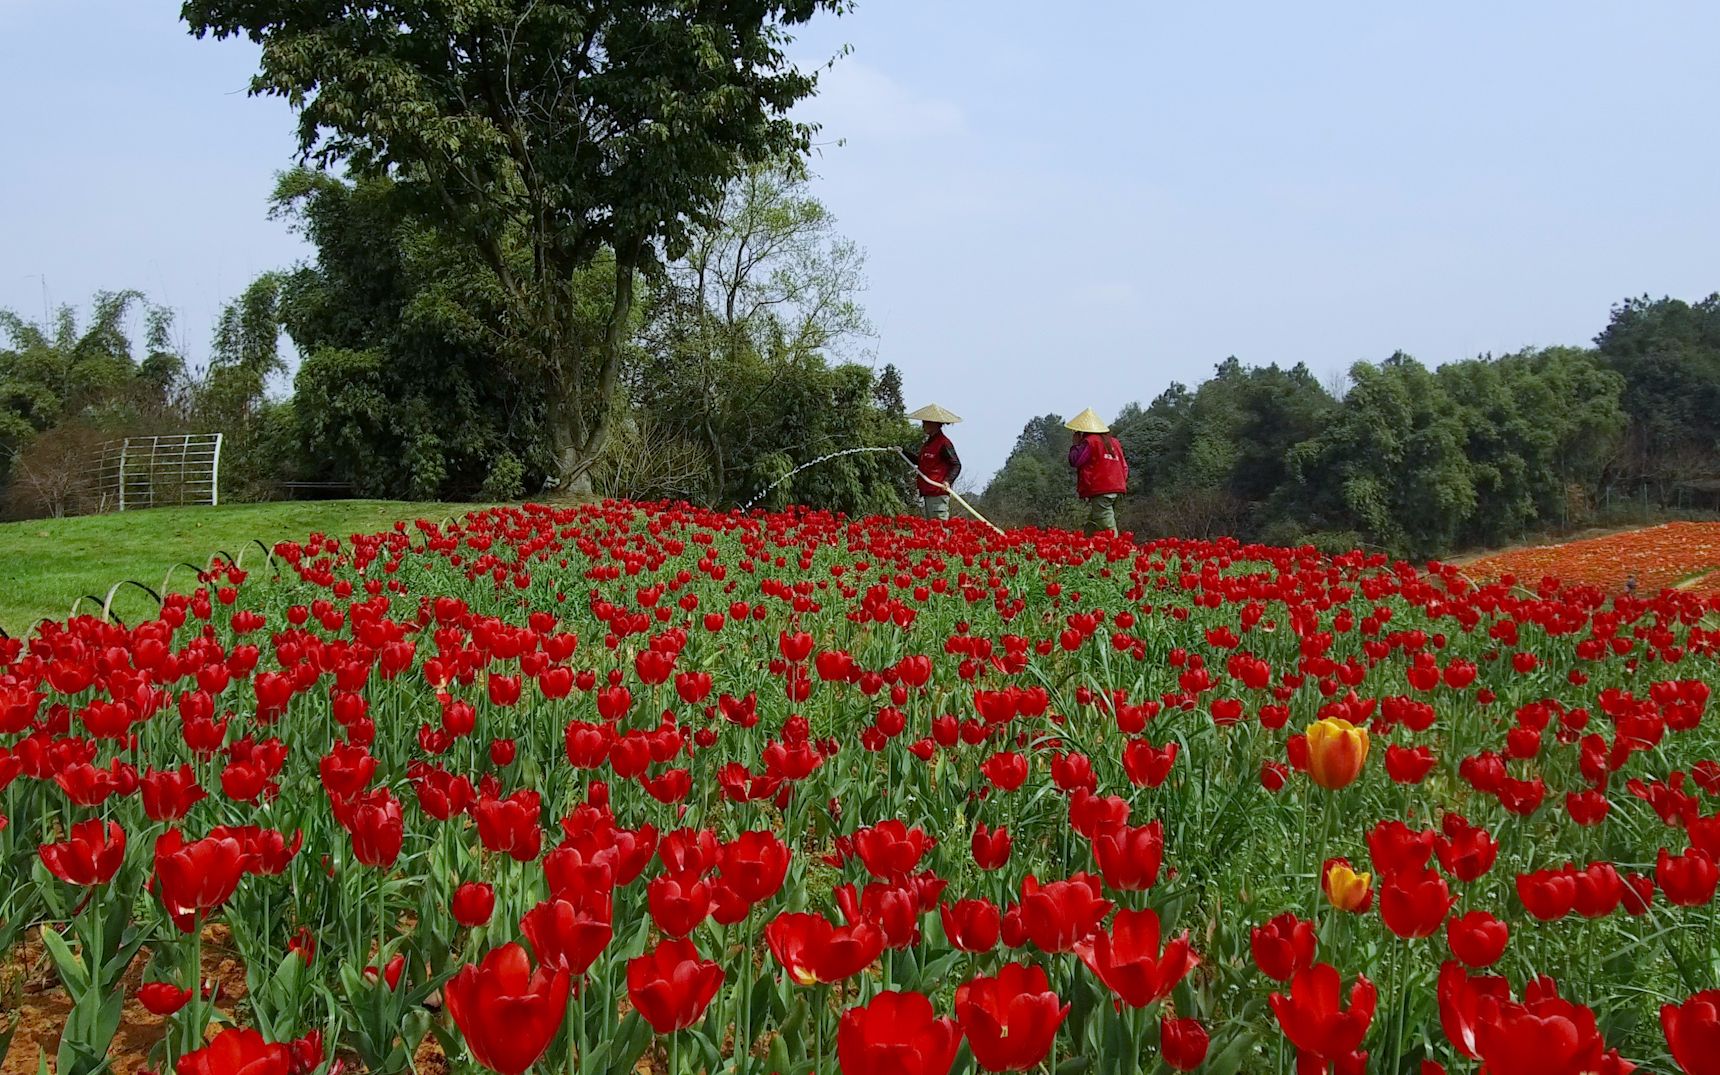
[(1087, 422), (931, 412)]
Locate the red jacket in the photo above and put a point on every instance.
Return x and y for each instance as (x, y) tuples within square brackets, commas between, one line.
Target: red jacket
[(1100, 468), (937, 459)]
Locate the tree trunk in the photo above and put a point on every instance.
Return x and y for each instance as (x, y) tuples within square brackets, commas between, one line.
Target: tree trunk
[(580, 425)]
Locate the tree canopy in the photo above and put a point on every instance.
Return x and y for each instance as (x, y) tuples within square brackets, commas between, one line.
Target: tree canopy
[(1415, 460), (537, 136)]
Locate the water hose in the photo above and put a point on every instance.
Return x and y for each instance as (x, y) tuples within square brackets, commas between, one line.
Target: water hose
[(957, 497)]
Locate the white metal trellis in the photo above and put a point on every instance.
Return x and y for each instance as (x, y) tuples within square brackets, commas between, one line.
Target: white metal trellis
[(143, 472)]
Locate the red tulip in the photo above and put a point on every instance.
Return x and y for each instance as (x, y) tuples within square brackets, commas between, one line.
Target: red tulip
[(1061, 913), (991, 847), (754, 864), (346, 770), (510, 826), (508, 1013), (267, 851), (1312, 1016), (678, 902), (890, 850), (1147, 765), (1129, 962), (162, 998), (813, 951), (896, 1034), (1414, 903), (376, 826), (236, 1051), (90, 855), (1688, 880), (473, 904), (1545, 1034), (971, 925), (304, 944), (894, 909), (671, 985), (1283, 946), (1091, 814), (390, 972), (169, 794), (795, 647), (1599, 890), (1477, 938), (1010, 1019), (1461, 997), (503, 690), (1406, 765), (1007, 770), (566, 937), (1129, 857), (1073, 772), (1693, 1032), (1395, 847), (1465, 851), (1182, 1042), (1587, 807), (1547, 894), (196, 878)]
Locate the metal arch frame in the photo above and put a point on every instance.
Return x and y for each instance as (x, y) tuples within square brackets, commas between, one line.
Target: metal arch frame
[(129, 467), (215, 557)]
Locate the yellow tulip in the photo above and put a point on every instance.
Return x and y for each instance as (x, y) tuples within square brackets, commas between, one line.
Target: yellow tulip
[(1345, 888), (1336, 751)]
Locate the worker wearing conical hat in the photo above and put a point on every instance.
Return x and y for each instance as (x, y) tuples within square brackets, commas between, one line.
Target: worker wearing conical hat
[(936, 465), (1101, 472)]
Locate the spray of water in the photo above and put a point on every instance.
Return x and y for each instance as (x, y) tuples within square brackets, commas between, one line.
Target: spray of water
[(762, 493)]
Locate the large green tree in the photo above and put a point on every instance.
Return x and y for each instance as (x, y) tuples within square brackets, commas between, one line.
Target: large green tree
[(82, 382), (1391, 463), (403, 388), (1035, 486), (1538, 429), (563, 128), (1668, 352), (750, 338)]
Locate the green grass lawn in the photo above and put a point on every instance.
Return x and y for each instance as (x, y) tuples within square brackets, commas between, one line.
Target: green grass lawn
[(46, 564)]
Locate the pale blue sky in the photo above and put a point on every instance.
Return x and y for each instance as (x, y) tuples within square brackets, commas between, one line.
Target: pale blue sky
[(1063, 205)]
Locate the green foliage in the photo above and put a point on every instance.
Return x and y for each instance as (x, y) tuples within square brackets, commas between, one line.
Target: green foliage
[(232, 395), (1415, 461), (506, 480), (404, 388), (91, 378), (1668, 353), (1035, 487), (46, 564), (749, 337), (559, 131)]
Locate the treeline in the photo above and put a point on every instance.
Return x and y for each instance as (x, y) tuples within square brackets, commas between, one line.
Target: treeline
[(1416, 461), (570, 254), (742, 359), (67, 386)]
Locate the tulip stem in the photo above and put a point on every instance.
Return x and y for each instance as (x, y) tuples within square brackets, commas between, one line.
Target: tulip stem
[(381, 928), (575, 1061), (194, 1018)]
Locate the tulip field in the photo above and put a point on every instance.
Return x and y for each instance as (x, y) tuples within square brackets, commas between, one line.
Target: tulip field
[(616, 788)]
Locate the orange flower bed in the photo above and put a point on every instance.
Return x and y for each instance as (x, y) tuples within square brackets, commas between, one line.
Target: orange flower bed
[(1658, 556)]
